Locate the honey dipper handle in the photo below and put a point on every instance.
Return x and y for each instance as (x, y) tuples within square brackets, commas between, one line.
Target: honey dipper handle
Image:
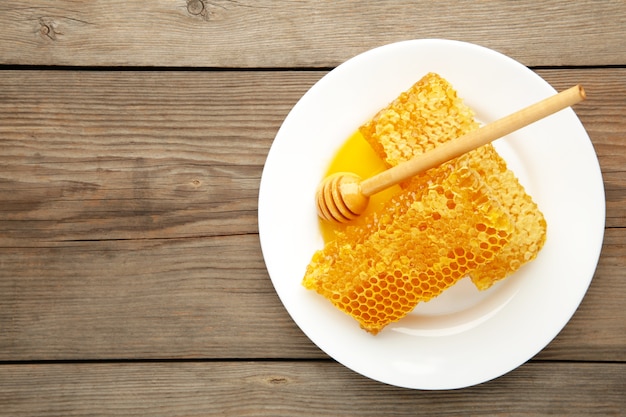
[(472, 140)]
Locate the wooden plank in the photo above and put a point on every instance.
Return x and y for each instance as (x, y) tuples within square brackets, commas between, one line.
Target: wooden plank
[(109, 155), (297, 389), (152, 298), (209, 298), (254, 34), (91, 155)]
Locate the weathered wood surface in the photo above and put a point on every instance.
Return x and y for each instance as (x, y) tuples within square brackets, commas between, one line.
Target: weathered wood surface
[(135, 155), (131, 277), (210, 298), (311, 33), (297, 389), (136, 215)]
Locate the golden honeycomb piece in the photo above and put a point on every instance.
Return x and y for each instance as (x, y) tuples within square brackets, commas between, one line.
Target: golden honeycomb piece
[(431, 113), (423, 240), (467, 217)]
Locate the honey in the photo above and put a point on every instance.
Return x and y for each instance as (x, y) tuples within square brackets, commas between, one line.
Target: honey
[(431, 113), (422, 241), (358, 157), (466, 217)]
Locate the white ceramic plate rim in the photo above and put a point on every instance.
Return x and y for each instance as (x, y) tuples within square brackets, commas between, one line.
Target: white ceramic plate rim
[(464, 337)]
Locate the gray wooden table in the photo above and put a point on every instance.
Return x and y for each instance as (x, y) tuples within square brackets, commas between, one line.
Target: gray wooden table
[(132, 140)]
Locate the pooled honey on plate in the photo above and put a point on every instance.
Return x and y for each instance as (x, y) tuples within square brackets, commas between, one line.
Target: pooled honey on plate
[(358, 157)]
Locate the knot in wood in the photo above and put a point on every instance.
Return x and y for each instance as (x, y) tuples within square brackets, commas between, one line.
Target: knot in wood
[(277, 380), (195, 7), (47, 29)]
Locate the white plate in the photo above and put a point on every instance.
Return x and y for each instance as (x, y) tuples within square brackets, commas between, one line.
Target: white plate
[(464, 337)]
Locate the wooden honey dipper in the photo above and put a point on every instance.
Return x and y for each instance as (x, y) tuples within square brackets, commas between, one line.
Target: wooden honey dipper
[(344, 196)]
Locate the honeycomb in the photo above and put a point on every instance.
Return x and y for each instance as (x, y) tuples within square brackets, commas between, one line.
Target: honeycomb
[(427, 114), (529, 233), (468, 217), (442, 225), (431, 113)]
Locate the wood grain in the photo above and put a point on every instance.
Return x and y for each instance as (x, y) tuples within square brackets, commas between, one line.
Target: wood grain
[(263, 34), (90, 155), (297, 389), (109, 155), (192, 298), (129, 214), (205, 297)]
